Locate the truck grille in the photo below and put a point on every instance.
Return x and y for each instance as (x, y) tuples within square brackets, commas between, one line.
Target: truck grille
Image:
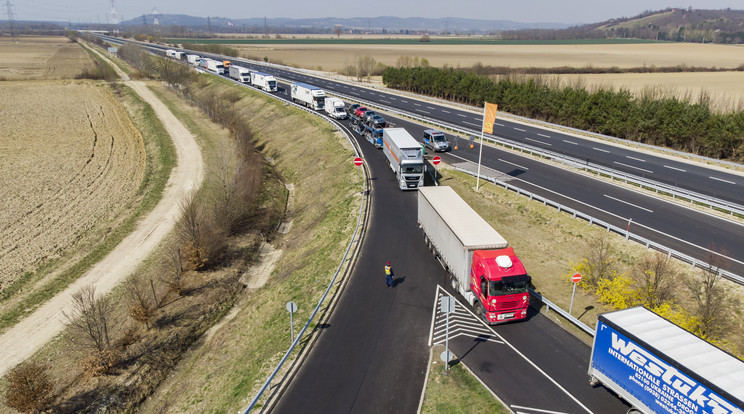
[(512, 304), (411, 177)]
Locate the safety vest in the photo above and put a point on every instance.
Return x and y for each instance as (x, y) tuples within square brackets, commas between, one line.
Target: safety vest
[(387, 270)]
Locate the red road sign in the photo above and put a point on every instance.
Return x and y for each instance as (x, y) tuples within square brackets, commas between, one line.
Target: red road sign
[(436, 160), (357, 161), (576, 277)]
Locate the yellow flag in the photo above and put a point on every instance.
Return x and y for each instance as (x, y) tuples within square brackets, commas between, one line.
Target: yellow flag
[(489, 117)]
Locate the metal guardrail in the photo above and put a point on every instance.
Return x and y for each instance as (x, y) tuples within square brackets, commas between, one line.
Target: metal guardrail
[(623, 232), (674, 191), (586, 328)]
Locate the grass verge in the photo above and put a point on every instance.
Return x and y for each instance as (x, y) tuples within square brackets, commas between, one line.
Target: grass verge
[(456, 390)]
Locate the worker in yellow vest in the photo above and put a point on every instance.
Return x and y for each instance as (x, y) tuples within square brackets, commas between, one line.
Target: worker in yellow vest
[(388, 275)]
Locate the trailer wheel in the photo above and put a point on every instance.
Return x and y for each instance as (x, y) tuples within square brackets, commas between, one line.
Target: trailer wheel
[(634, 411)]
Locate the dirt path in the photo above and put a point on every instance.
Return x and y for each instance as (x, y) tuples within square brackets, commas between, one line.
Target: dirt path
[(33, 332)]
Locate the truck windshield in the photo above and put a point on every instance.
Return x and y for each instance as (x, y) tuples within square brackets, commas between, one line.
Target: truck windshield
[(509, 285), (272, 84), (412, 168)]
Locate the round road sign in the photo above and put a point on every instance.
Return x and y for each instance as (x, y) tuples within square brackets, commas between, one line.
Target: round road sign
[(576, 277), (436, 160), (357, 161)]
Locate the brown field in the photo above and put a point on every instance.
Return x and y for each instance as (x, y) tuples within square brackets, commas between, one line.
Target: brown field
[(71, 160), (726, 88), (41, 58)]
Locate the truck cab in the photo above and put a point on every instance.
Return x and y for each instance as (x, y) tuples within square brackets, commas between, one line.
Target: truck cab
[(436, 140), (501, 283)]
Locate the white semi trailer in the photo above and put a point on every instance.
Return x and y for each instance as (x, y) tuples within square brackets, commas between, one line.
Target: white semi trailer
[(212, 65), (240, 74), (193, 59), (311, 96), (405, 157), (263, 81)]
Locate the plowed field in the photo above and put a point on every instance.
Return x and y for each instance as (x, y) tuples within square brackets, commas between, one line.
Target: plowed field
[(70, 162), (41, 58)]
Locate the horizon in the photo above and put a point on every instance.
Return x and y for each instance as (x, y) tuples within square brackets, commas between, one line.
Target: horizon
[(567, 12)]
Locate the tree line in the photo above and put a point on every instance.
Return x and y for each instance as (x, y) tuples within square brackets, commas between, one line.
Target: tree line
[(669, 121)]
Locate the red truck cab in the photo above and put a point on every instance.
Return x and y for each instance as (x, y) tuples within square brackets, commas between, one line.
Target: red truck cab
[(500, 282)]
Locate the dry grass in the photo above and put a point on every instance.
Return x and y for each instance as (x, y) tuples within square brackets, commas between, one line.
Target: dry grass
[(25, 58), (74, 162)]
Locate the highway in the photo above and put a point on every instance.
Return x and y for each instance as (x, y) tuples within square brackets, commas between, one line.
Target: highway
[(371, 356)]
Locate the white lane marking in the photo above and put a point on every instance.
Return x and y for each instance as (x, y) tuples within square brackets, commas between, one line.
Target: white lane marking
[(631, 166), (507, 343), (683, 241), (464, 116), (496, 123), (393, 98), (404, 101), (516, 165), (634, 158), (537, 410), (544, 136), (431, 107), (571, 142), (721, 179), (519, 129), (537, 140), (674, 168), (630, 204), (470, 123), (422, 111), (445, 111), (600, 149), (417, 104)]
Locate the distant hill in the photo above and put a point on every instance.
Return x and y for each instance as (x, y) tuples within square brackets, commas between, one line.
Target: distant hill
[(382, 24), (679, 25)]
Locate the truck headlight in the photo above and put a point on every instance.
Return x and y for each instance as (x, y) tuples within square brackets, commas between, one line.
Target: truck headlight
[(493, 301)]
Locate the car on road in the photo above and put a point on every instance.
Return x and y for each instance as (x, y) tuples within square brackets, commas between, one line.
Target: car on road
[(360, 111), (378, 120), (436, 140), (353, 108), (369, 114)]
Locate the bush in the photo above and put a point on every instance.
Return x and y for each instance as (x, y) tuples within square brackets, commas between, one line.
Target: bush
[(29, 388)]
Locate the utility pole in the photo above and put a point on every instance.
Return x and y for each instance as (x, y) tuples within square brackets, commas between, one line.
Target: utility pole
[(9, 9)]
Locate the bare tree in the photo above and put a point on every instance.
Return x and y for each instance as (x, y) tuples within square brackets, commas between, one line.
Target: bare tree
[(713, 302), (29, 388), (90, 317), (653, 278), (172, 271), (142, 306), (600, 260), (338, 30), (365, 64)]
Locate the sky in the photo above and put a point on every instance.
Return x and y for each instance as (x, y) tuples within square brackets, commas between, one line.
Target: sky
[(523, 11)]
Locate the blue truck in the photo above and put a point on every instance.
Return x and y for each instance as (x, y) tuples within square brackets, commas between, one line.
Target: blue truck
[(658, 367)]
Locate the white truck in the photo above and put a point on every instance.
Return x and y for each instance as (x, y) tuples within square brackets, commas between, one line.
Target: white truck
[(170, 53), (659, 367), (240, 74), (178, 55), (311, 96), (336, 108), (479, 263), (212, 65), (405, 157), (263, 81), (193, 59)]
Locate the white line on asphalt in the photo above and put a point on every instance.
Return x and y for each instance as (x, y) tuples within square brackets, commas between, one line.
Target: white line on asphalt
[(404, 101), (631, 166), (445, 111), (417, 104), (544, 136), (496, 123), (538, 410), (470, 123), (571, 142), (674, 168), (516, 165), (393, 98), (537, 140), (600, 149), (519, 129), (464, 116), (721, 179), (431, 107), (422, 111), (630, 204), (634, 158)]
